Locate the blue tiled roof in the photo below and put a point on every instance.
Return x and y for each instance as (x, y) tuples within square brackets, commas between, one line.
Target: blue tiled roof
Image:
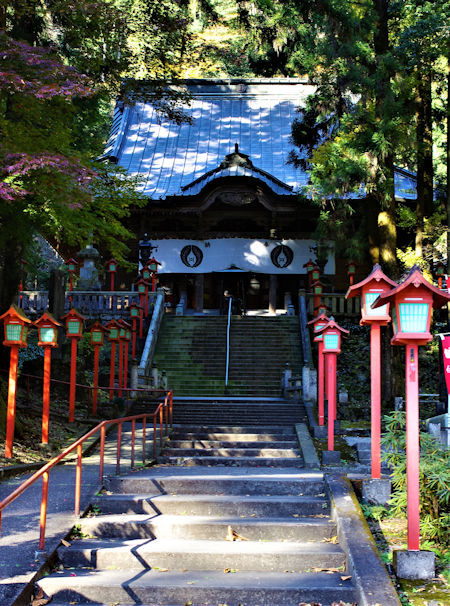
[(179, 160)]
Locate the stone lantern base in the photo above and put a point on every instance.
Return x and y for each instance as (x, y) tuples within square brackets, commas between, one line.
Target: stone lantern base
[(414, 564)]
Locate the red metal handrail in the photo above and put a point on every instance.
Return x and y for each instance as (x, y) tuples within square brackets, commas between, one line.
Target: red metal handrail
[(164, 414), (90, 388)]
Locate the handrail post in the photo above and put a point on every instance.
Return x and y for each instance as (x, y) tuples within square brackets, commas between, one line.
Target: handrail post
[(78, 479), (119, 444), (160, 428), (43, 513), (102, 452), (133, 430), (227, 363), (154, 436), (171, 408), (144, 423)]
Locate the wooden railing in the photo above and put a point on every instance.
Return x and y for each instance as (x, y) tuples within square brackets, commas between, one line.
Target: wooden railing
[(162, 422), (91, 304), (337, 304)]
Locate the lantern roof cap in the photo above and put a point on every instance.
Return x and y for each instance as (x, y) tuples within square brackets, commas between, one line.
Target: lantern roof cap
[(71, 260), (152, 260), (319, 281), (98, 326), (333, 324), (16, 312), (112, 260), (320, 318), (134, 304), (142, 281), (415, 279), (310, 263), (46, 317), (113, 324), (73, 313), (376, 274), (123, 323)]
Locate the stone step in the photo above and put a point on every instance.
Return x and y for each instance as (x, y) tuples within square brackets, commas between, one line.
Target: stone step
[(202, 527), (224, 438), (208, 588), (235, 461), (214, 430), (231, 451), (239, 442), (253, 506), (214, 482), (141, 554)]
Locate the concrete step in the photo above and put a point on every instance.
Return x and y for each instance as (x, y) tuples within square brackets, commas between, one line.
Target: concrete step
[(204, 555), (203, 527), (202, 444), (224, 438), (207, 588), (235, 461), (214, 430), (215, 482), (253, 506), (231, 451)]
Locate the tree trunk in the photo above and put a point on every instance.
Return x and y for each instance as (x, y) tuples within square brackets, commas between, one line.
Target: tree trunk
[(387, 229), (424, 134)]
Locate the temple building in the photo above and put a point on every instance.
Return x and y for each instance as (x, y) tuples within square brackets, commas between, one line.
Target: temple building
[(224, 210)]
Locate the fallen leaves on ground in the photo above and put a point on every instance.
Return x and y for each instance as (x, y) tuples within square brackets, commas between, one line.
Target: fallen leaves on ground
[(327, 570), (333, 540)]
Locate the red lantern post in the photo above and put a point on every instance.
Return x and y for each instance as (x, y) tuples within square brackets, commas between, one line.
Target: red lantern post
[(74, 331), (142, 288), (124, 338), (369, 289), (113, 326), (153, 266), (111, 268), (16, 331), (440, 273), (412, 303), (97, 340), (351, 270), (318, 323), (134, 313), (309, 267), (72, 269), (331, 347), (317, 291), (48, 339)]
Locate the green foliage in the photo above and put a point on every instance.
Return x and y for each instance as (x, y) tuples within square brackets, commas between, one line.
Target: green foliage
[(434, 478)]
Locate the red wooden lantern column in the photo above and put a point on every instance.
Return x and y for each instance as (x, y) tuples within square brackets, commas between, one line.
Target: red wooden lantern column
[(318, 323), (331, 347), (48, 339), (309, 267), (142, 288), (74, 331), (16, 331), (113, 326), (72, 269), (317, 288), (369, 289), (440, 273), (111, 268), (152, 264), (97, 340), (134, 313), (412, 302)]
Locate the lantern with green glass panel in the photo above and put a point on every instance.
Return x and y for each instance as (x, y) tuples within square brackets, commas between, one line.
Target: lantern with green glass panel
[(440, 270), (98, 334), (369, 290), (153, 264), (331, 334), (315, 274), (48, 330), (134, 310), (142, 286), (113, 327), (72, 265), (317, 324), (412, 304), (74, 324), (146, 273), (16, 326)]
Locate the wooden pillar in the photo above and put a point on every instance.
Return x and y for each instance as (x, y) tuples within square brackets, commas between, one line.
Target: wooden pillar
[(273, 294), (199, 289)]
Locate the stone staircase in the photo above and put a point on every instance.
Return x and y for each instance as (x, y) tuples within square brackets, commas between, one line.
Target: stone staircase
[(208, 533), (192, 351), (233, 446)]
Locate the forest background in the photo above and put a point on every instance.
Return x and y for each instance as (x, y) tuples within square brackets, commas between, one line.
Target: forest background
[(381, 70)]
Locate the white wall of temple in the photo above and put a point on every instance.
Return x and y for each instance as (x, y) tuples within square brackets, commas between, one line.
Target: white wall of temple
[(237, 254)]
